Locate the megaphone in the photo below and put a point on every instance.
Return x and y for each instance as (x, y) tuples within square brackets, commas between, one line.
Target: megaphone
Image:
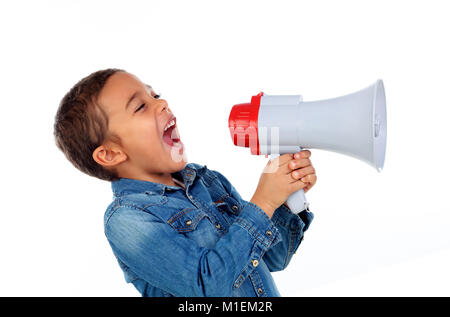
[(353, 124)]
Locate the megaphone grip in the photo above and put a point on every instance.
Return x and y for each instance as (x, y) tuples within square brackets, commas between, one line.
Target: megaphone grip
[(297, 201)]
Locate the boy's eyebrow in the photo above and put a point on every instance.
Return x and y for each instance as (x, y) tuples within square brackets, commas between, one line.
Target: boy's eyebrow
[(134, 96)]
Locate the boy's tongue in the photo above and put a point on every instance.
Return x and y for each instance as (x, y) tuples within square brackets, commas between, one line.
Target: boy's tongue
[(171, 136)]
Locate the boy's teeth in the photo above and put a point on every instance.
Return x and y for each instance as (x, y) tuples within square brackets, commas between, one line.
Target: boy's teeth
[(171, 123)]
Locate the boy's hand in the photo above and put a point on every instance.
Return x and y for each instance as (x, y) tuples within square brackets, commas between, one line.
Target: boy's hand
[(303, 169), (281, 178)]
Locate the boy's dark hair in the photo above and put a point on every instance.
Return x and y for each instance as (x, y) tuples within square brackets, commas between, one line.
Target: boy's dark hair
[(81, 125)]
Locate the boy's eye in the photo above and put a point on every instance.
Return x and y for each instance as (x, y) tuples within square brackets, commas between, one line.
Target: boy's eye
[(140, 107), (143, 105)]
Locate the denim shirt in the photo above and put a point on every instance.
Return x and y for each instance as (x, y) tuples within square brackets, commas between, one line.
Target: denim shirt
[(203, 240)]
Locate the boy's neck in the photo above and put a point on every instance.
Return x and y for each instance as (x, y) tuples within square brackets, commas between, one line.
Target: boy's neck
[(162, 178)]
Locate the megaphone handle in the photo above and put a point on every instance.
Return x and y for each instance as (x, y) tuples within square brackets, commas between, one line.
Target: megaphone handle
[(297, 201)]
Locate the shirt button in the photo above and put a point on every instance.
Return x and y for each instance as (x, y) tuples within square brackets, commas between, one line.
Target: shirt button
[(255, 263), (260, 291), (218, 226), (188, 222), (269, 233), (235, 208)]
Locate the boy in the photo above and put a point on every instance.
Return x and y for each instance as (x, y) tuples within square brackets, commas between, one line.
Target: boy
[(177, 228)]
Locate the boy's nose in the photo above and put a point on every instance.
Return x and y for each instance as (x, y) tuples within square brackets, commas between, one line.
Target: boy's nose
[(163, 106)]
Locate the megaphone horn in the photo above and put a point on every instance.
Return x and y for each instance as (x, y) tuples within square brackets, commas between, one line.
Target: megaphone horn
[(354, 124)]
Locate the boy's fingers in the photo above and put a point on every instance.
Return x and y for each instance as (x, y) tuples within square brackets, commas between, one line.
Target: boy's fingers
[(310, 179), (307, 188), (282, 160), (302, 154), (302, 172), (298, 163), (285, 158), (297, 185)]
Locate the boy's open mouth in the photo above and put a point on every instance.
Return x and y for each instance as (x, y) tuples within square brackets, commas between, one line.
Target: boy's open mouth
[(170, 134)]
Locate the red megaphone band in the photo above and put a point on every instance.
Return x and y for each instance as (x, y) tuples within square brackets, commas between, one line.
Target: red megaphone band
[(243, 124)]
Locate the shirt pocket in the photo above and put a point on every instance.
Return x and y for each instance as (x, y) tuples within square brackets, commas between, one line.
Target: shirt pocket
[(222, 199), (195, 224), (229, 205)]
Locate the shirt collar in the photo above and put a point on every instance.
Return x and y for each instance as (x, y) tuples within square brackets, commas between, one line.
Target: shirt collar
[(187, 175)]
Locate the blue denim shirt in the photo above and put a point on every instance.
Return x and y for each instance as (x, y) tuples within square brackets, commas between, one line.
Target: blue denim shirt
[(204, 240)]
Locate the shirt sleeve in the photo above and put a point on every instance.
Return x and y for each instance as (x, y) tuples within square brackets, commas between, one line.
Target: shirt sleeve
[(291, 228), (170, 261)]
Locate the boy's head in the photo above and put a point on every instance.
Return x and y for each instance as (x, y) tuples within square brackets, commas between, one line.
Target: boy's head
[(112, 125)]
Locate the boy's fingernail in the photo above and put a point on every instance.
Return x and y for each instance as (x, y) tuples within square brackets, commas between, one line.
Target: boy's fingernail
[(297, 155)]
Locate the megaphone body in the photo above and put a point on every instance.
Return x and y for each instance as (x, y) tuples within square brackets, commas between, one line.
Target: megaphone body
[(354, 125)]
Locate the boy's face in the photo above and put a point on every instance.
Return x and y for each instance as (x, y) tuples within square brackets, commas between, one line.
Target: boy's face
[(139, 118)]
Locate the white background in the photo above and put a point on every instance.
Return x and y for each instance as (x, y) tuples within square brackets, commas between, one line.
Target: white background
[(381, 234)]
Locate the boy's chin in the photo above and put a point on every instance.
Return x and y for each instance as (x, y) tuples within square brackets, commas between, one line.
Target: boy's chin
[(177, 155), (176, 151)]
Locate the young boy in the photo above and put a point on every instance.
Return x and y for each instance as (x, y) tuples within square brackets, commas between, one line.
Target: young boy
[(177, 228)]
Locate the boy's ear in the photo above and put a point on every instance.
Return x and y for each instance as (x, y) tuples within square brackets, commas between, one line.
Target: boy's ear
[(108, 156)]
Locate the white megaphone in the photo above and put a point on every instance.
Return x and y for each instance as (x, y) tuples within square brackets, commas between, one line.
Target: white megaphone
[(353, 124)]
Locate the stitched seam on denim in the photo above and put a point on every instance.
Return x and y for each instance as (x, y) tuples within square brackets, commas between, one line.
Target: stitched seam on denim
[(132, 279), (290, 226), (300, 238), (259, 251), (289, 251), (117, 208), (275, 241), (223, 196), (293, 225), (113, 210), (199, 217), (180, 214), (208, 215), (226, 218), (259, 210), (144, 210), (257, 282), (208, 179), (265, 215), (133, 206), (277, 220), (234, 201), (297, 225), (253, 232), (162, 201), (193, 225), (238, 281), (245, 272), (298, 229), (284, 207)]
